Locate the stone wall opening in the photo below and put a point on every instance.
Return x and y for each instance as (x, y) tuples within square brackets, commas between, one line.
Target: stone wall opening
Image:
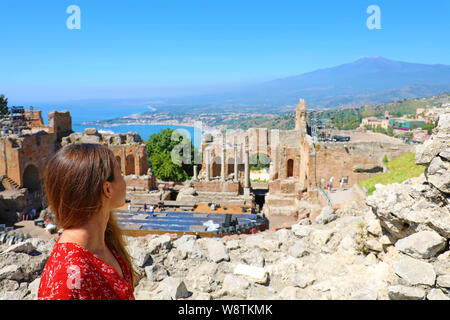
[(31, 179), (173, 195), (216, 167), (230, 165), (290, 168), (260, 197), (129, 165)]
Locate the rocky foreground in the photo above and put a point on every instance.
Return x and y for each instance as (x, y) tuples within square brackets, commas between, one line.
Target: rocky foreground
[(395, 246)]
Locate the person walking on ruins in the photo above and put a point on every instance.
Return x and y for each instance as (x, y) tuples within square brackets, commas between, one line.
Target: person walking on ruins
[(341, 183), (331, 183), (129, 208), (89, 260)]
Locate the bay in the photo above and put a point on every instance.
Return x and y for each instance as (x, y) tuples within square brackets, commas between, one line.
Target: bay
[(145, 131), (91, 113)]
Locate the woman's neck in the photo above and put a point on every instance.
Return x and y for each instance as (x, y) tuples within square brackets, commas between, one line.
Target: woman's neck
[(91, 235)]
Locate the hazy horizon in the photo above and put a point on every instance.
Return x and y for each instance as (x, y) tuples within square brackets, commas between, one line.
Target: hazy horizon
[(145, 50)]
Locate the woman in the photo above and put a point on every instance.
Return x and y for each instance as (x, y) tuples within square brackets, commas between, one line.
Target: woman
[(83, 183)]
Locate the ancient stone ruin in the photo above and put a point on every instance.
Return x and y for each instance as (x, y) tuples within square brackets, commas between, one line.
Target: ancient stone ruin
[(298, 167), (392, 245), (28, 144)]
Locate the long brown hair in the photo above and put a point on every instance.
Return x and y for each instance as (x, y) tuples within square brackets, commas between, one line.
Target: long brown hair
[(74, 180)]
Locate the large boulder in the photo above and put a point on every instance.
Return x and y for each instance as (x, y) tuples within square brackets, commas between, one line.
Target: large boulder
[(172, 289), (423, 244), (235, 285), (400, 292), (403, 209), (436, 294), (299, 249), (141, 256), (326, 216), (438, 173), (11, 272), (415, 271), (438, 142), (24, 247), (156, 272), (188, 246), (252, 273), (217, 252)]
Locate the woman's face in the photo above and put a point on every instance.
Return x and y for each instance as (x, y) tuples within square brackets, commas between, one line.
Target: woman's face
[(119, 187)]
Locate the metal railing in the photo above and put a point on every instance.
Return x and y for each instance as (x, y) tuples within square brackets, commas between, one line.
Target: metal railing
[(325, 195)]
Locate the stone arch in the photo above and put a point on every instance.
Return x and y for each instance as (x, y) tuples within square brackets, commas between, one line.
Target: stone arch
[(290, 168), (129, 165), (31, 179)]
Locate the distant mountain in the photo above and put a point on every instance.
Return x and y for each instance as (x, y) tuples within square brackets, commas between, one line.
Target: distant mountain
[(367, 80)]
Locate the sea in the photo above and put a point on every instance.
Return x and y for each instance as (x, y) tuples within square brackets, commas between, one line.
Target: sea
[(82, 114)]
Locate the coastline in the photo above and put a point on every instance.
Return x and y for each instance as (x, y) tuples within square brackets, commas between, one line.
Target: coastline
[(204, 128)]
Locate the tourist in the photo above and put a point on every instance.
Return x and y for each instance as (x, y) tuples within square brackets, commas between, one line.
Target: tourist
[(89, 260), (341, 182), (129, 208), (331, 183), (145, 207), (152, 209)]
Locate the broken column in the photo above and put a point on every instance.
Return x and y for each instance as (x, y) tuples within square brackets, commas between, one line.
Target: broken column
[(235, 161), (195, 173), (208, 161), (247, 168), (222, 164)]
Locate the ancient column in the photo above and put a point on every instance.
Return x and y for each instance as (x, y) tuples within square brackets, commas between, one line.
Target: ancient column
[(124, 161), (247, 165), (208, 161), (222, 164), (195, 173), (235, 162), (283, 166)]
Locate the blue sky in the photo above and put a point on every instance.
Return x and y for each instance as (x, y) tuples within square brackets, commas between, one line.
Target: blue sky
[(153, 48)]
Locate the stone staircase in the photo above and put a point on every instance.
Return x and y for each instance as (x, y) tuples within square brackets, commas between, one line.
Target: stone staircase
[(8, 183), (223, 198)]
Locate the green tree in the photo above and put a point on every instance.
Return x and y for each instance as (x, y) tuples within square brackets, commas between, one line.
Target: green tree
[(429, 127), (390, 131), (3, 106), (171, 155), (259, 161)]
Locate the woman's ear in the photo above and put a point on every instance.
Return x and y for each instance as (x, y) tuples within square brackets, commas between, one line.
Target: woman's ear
[(107, 191)]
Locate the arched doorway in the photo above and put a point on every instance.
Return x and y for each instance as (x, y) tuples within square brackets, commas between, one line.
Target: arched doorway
[(31, 179), (290, 168), (129, 165)]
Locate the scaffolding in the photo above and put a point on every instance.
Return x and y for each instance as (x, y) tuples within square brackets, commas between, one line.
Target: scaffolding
[(16, 121)]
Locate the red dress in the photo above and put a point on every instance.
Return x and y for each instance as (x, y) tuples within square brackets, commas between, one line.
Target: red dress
[(74, 273)]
